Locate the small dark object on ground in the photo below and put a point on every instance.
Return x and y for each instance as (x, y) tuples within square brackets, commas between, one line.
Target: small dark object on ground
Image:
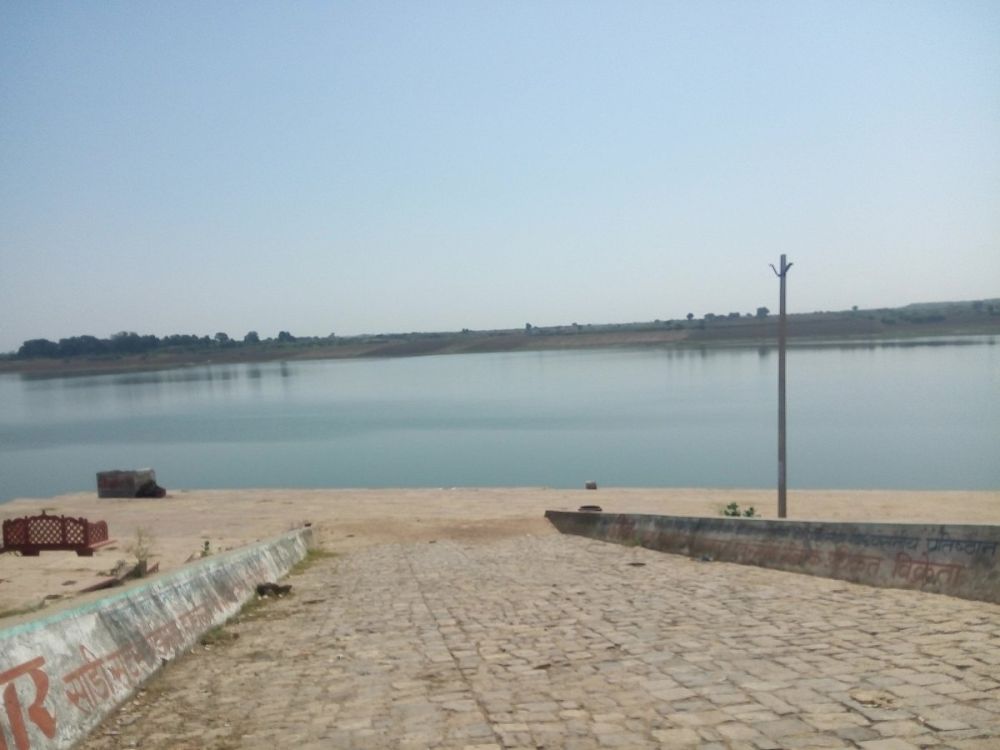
[(150, 489), (118, 570), (705, 558), (273, 589), (218, 636), (636, 564), (591, 485), (120, 573), (590, 509)]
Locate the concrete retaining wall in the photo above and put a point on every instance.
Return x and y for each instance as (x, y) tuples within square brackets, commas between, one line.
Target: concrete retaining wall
[(956, 560), (61, 675)]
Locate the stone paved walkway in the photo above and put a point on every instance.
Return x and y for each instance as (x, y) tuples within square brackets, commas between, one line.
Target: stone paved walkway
[(564, 642)]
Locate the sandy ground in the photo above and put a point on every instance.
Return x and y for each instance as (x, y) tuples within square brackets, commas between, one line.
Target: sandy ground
[(184, 521)]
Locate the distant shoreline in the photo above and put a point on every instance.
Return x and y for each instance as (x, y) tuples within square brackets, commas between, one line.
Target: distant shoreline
[(941, 324)]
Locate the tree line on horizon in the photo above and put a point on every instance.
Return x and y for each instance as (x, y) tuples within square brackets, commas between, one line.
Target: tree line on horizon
[(126, 343), (129, 342)]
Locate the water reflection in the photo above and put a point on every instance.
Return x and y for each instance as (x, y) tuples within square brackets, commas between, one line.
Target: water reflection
[(846, 344), (196, 374), (136, 386)]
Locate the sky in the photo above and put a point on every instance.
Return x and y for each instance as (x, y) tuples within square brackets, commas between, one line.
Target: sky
[(366, 167)]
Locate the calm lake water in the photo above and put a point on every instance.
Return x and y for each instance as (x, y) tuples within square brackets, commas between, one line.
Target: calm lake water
[(916, 416)]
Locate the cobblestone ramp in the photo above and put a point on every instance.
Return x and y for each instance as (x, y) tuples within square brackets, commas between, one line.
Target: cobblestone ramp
[(565, 642)]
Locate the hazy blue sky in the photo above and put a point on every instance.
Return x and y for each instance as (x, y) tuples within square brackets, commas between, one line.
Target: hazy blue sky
[(364, 166)]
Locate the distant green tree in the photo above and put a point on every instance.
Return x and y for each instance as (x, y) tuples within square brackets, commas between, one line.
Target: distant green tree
[(130, 342), (763, 312), (221, 337), (690, 316), (251, 338), (187, 340), (124, 342), (38, 348), (285, 336), (77, 346)]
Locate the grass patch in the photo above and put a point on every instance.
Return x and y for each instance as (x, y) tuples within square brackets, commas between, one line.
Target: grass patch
[(252, 610), (256, 607), (218, 636), (313, 556)]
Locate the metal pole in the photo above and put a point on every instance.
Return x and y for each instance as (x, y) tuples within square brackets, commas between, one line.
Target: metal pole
[(782, 331)]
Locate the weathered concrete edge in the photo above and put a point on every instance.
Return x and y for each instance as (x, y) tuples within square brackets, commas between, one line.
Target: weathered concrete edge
[(957, 560), (62, 674)]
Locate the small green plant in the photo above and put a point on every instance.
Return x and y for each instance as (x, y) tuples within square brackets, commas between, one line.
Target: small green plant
[(733, 510), (206, 550), (141, 548)]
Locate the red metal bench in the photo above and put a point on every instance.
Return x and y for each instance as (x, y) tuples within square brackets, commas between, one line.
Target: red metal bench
[(32, 534)]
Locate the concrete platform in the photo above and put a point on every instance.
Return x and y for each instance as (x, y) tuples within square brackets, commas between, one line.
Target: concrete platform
[(564, 642), (953, 559)]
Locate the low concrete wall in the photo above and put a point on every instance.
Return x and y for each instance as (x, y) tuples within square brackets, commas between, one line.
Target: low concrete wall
[(955, 560), (61, 675)]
